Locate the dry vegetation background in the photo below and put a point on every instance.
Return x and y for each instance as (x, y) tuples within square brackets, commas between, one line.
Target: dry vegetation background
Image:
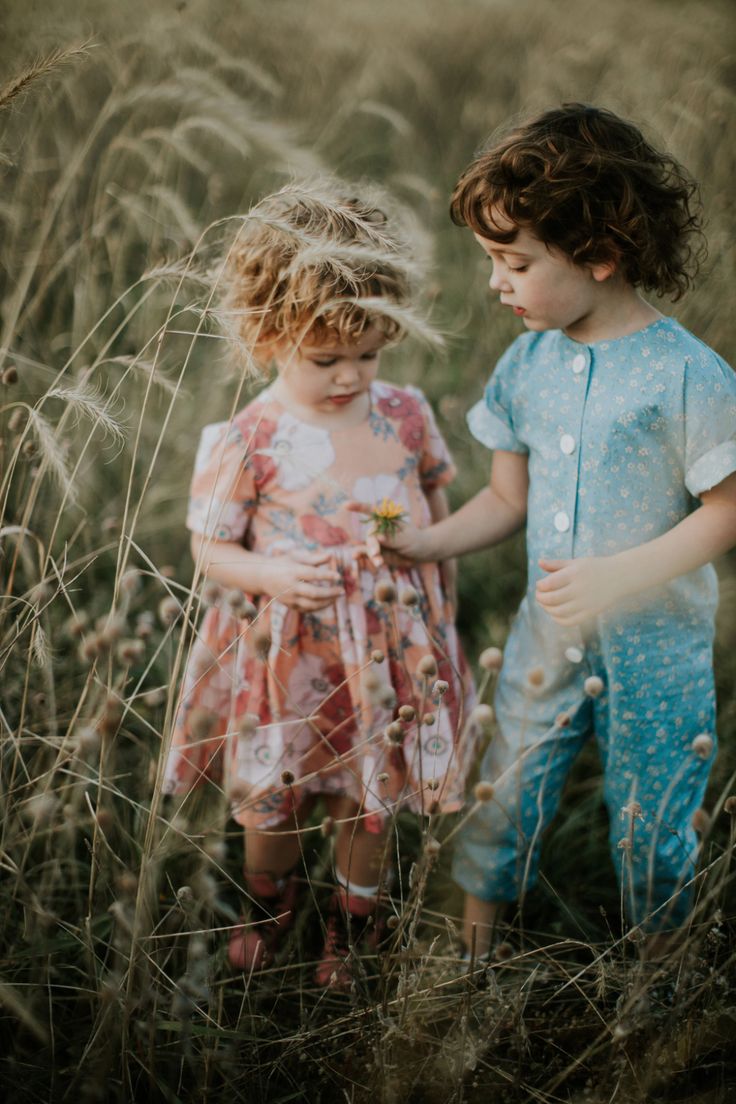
[(121, 169)]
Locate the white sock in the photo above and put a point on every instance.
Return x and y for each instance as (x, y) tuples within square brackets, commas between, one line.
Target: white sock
[(352, 888)]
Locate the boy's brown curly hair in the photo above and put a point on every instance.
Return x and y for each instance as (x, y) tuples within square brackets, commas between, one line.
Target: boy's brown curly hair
[(588, 183)]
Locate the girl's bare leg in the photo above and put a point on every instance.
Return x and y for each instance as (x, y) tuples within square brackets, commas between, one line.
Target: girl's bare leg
[(359, 855), (276, 850), (479, 921)]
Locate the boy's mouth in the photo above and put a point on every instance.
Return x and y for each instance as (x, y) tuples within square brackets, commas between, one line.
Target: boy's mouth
[(518, 310), (342, 400)]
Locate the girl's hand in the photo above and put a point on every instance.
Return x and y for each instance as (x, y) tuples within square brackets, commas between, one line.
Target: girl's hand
[(576, 590), (301, 582), (401, 549)]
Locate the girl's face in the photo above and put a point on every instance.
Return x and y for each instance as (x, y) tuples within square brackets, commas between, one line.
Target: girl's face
[(330, 380), (545, 288)]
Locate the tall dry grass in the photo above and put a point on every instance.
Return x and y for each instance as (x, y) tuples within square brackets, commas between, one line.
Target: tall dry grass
[(122, 170)]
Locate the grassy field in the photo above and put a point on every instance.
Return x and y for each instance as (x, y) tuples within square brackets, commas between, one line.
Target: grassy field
[(125, 161)]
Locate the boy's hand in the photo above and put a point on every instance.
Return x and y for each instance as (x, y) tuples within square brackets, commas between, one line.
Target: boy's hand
[(576, 590), (302, 582), (400, 549)]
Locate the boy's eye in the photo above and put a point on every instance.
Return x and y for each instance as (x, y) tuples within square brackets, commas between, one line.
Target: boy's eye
[(325, 363), (518, 268), (369, 356)]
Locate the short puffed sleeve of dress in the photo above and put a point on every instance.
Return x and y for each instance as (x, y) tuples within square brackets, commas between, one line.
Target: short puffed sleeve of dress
[(223, 492), (436, 467), (710, 419), (491, 421)]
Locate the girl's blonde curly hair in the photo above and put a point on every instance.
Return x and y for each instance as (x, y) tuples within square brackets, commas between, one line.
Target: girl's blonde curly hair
[(315, 262)]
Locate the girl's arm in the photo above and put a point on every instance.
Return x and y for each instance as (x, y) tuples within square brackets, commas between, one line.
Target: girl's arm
[(575, 590), (300, 581)]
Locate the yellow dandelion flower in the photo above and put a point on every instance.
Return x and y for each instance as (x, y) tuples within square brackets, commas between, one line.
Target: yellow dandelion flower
[(387, 517)]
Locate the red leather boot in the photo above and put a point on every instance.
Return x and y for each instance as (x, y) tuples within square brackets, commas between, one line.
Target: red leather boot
[(253, 945)]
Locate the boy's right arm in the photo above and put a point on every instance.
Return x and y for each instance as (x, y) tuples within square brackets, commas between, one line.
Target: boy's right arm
[(495, 513), (301, 581)]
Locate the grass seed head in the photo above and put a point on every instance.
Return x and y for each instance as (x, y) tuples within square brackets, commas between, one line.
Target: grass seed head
[(10, 374), (428, 720), (440, 688), (377, 656), (131, 651), (287, 777), (483, 791), (702, 746), (482, 716), (407, 713), (701, 822), (409, 596), (385, 593), (247, 725), (130, 581), (593, 686), (201, 723), (427, 666), (262, 643), (491, 659), (168, 610), (382, 777), (211, 592), (729, 805), (395, 733)]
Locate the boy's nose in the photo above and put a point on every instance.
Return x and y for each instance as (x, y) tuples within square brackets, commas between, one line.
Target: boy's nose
[(498, 281)]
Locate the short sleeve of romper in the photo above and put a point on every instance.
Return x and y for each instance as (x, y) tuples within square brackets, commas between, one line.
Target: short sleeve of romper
[(491, 421), (436, 468), (710, 420), (223, 491)]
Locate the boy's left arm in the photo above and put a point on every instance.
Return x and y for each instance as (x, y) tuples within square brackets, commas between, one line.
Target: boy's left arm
[(575, 590), (439, 509)]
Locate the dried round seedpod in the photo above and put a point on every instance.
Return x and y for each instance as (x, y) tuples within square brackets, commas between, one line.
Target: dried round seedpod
[(409, 596), (395, 732), (491, 659), (483, 791), (377, 656), (168, 610), (594, 686), (10, 374), (407, 713), (427, 666), (385, 593)]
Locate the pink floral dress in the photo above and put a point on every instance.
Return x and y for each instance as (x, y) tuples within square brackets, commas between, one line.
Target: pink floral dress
[(293, 704)]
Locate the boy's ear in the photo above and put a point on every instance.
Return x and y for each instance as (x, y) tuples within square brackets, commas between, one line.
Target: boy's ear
[(603, 270)]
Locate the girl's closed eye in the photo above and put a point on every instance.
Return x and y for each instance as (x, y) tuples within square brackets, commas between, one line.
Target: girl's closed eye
[(325, 363)]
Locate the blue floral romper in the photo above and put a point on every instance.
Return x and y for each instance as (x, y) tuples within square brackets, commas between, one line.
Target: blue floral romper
[(622, 436)]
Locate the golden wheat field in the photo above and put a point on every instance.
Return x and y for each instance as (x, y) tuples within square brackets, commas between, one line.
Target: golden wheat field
[(133, 137)]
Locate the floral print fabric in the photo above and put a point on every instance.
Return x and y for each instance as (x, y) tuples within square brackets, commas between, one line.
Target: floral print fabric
[(293, 704)]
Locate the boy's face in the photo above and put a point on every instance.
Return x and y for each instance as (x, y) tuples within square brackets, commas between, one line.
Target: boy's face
[(543, 286)]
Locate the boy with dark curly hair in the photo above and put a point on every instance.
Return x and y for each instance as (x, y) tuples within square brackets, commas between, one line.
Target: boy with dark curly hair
[(613, 432)]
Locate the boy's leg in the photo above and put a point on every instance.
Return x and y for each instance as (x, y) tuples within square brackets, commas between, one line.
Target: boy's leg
[(656, 727), (527, 762), (479, 923)]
